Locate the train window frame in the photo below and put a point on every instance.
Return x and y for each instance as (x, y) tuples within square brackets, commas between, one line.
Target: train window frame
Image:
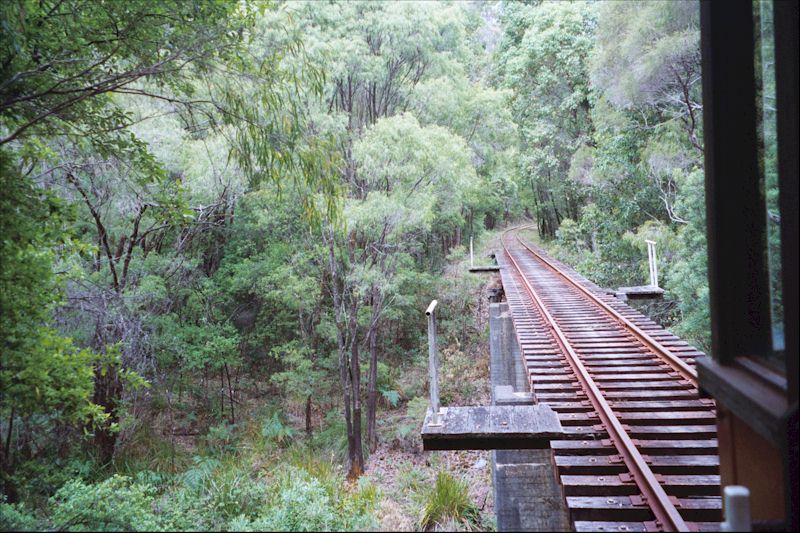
[(741, 317), (737, 374)]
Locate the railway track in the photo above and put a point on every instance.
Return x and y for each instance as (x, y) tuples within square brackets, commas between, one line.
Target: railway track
[(641, 447)]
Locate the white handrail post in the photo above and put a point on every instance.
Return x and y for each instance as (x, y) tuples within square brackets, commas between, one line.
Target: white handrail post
[(652, 263), (737, 509), (655, 267), (433, 363)]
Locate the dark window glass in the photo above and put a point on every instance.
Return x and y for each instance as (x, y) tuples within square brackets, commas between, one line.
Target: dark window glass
[(768, 161)]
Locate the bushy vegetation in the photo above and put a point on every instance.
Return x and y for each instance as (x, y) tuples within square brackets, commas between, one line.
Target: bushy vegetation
[(210, 496), (221, 222)]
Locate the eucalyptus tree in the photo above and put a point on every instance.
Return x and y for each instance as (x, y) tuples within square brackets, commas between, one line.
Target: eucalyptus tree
[(648, 59), (646, 64), (417, 177), (61, 60), (379, 58), (645, 71), (479, 114), (41, 373)]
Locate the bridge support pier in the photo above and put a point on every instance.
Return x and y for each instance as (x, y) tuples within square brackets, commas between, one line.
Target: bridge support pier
[(527, 491)]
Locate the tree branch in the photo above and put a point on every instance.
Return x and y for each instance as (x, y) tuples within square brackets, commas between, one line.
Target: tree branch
[(101, 229)]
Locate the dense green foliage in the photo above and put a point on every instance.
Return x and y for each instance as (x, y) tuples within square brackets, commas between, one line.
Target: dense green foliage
[(543, 58), (221, 221), (204, 498)]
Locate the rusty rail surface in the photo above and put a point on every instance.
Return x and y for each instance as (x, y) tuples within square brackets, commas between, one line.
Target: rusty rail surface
[(642, 452)]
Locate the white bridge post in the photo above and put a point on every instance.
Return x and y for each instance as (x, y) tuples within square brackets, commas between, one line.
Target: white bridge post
[(433, 363), (471, 261), (651, 259)]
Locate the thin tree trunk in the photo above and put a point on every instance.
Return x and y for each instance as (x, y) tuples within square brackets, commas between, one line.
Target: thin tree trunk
[(107, 391), (230, 394), (102, 233), (356, 452), (7, 447), (308, 415), (6, 466), (171, 431), (222, 392), (372, 390)]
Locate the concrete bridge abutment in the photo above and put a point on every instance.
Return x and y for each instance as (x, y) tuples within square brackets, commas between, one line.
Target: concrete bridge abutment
[(527, 492)]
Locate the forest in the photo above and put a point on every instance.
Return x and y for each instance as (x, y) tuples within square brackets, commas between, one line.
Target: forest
[(222, 222)]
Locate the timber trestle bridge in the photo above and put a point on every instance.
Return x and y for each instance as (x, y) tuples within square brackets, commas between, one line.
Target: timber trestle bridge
[(639, 451)]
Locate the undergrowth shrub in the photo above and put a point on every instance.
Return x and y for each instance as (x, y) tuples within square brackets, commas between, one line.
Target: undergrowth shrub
[(115, 504), (14, 517), (461, 376), (333, 436), (402, 430), (118, 503), (146, 450), (37, 481), (302, 504), (412, 480), (307, 493), (222, 438), (225, 489), (299, 501)]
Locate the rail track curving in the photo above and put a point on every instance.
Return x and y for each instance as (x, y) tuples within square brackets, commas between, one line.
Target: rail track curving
[(641, 447)]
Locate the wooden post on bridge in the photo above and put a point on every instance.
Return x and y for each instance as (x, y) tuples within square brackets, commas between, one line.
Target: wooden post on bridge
[(433, 363)]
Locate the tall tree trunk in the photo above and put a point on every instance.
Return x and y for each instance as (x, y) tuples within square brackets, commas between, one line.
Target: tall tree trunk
[(221, 392), (107, 394), (344, 370), (230, 394), (356, 451), (6, 464)]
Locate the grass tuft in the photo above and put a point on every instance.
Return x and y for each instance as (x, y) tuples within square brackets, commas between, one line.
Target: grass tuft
[(449, 501)]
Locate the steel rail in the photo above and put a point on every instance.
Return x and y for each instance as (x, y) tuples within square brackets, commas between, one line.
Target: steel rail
[(667, 516), (664, 353)]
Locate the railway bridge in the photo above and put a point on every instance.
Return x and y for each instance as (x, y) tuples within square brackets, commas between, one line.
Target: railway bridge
[(637, 446), (639, 451)]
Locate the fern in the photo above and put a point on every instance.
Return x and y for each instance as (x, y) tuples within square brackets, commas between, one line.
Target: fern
[(276, 430)]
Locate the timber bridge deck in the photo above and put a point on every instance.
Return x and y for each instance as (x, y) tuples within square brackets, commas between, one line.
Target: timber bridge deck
[(640, 450)]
